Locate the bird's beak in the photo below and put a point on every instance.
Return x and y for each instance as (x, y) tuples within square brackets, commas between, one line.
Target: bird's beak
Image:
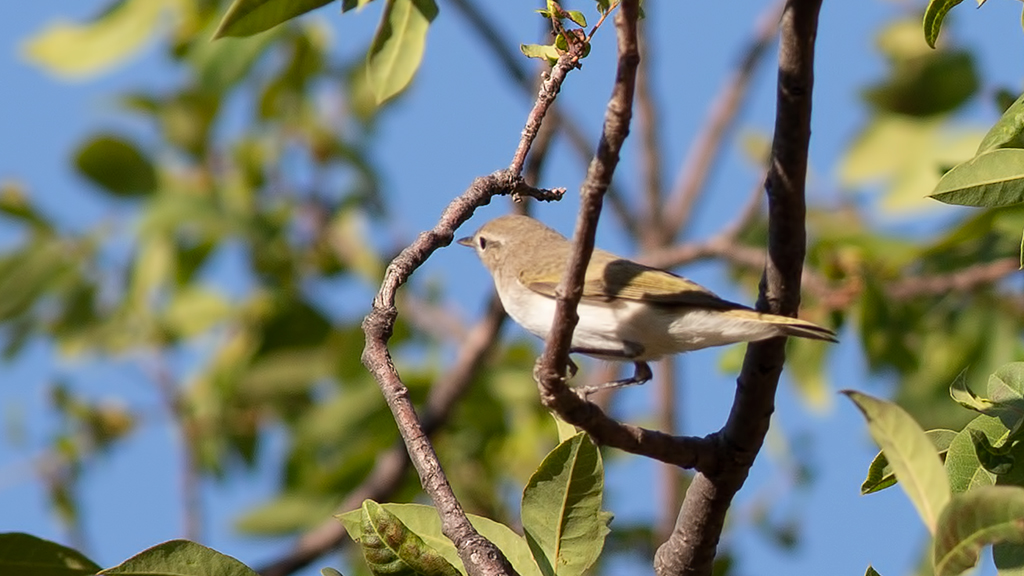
[(467, 241)]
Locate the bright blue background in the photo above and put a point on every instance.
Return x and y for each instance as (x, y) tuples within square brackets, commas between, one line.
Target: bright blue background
[(461, 119)]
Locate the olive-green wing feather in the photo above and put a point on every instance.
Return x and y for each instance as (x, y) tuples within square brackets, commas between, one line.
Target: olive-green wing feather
[(610, 277)]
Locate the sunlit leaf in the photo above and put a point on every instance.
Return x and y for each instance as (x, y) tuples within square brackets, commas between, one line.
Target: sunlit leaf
[(545, 51), (181, 558), (561, 508), (424, 521), (248, 17), (77, 50), (398, 46), (912, 456), (994, 178)]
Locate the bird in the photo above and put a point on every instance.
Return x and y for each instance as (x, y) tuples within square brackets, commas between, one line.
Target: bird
[(629, 312)]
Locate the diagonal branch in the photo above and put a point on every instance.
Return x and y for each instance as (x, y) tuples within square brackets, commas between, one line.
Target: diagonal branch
[(479, 555), (707, 147), (692, 546), (518, 72)]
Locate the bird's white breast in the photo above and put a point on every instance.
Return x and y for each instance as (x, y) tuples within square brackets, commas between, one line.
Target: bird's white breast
[(620, 325)]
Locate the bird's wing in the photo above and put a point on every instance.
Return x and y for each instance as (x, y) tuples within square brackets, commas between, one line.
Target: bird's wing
[(625, 279)]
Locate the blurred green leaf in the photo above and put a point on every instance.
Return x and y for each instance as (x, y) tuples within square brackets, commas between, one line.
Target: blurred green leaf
[(26, 554), (116, 165), (76, 50), (926, 85), (912, 456), (195, 309), (994, 178), (973, 520), (398, 46), (248, 17), (286, 514), (181, 558)]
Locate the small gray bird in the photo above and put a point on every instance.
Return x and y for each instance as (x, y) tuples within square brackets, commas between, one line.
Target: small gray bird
[(629, 312)]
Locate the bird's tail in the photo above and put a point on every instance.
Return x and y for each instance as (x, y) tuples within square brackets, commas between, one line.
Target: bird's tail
[(800, 328), (789, 326)]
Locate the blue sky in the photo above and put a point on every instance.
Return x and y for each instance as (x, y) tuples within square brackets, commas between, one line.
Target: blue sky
[(131, 497)]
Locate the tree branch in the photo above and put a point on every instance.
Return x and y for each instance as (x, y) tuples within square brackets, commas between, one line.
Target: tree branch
[(707, 147), (515, 70), (692, 547), (478, 554)]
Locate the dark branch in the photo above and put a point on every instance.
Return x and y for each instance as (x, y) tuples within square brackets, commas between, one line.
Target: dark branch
[(692, 547)]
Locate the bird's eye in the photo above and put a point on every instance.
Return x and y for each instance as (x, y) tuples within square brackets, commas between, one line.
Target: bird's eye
[(483, 242)]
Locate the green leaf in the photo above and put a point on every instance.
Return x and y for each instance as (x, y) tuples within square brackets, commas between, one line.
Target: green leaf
[(994, 178), (973, 520), (248, 17), (996, 460), (565, 430), (116, 165), (963, 467), (577, 17), (424, 521), (926, 85), (27, 554), (1006, 391), (195, 309), (1008, 132), (965, 397), (398, 46), (880, 474), (180, 558), (933, 16), (871, 572), (347, 5), (390, 547), (561, 508), (79, 50), (546, 51), (912, 456)]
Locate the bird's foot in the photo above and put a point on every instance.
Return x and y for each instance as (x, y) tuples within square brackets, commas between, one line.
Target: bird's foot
[(641, 373)]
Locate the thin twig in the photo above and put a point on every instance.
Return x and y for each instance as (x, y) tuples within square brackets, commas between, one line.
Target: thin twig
[(512, 61), (692, 546), (647, 119), (707, 147), (479, 555), (188, 433)]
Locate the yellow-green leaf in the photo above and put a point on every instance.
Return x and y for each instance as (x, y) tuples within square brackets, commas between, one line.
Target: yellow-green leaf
[(973, 520), (398, 45), (994, 178), (912, 456), (77, 50), (248, 17)]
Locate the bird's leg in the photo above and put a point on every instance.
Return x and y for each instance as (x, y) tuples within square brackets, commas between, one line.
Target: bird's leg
[(641, 373), (630, 351)]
